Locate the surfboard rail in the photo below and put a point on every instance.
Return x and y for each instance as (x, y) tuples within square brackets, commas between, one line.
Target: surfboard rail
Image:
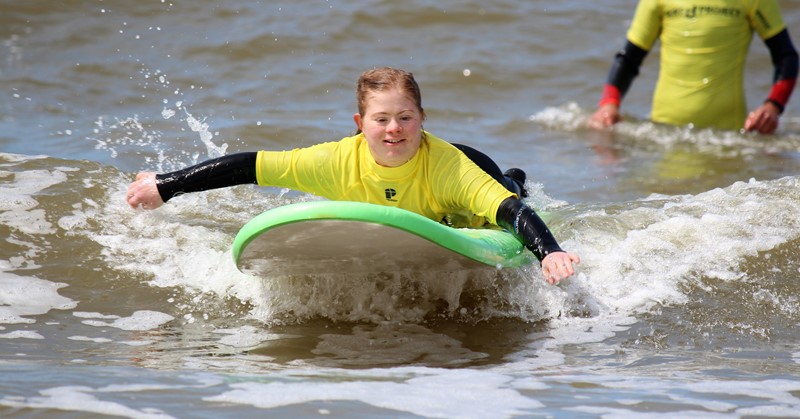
[(491, 247)]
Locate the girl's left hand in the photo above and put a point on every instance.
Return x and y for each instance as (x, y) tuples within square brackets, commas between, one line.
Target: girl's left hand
[(558, 266)]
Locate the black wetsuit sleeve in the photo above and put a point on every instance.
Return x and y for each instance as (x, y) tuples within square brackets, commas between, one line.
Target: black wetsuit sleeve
[(522, 221), (785, 61), (625, 67), (784, 56), (230, 170)]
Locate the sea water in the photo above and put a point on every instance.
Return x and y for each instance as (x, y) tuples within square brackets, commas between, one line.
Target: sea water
[(684, 305)]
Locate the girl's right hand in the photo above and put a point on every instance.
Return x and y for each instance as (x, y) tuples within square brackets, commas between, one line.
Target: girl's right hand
[(144, 192)]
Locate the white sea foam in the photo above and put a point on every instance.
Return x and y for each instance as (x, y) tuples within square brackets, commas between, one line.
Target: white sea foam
[(469, 393), (636, 256), (80, 399), (23, 334), (767, 398), (29, 296), (92, 315), (246, 336), (139, 320), (18, 207), (670, 242), (88, 339), (571, 117)]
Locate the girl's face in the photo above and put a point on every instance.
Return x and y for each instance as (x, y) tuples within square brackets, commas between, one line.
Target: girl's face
[(392, 124)]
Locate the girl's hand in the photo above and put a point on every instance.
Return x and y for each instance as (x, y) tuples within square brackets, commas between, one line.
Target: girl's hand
[(144, 192), (558, 266)]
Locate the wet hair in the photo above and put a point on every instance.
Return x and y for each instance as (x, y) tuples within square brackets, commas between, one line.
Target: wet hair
[(383, 79)]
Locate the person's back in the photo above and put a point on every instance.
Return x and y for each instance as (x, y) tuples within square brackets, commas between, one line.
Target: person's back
[(439, 182)]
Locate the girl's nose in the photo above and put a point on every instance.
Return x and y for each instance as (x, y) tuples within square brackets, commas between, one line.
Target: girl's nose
[(393, 126)]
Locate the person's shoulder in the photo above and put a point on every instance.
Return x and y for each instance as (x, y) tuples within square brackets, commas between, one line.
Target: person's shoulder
[(355, 137), (354, 140), (352, 147), (436, 143), (436, 147), (442, 153)]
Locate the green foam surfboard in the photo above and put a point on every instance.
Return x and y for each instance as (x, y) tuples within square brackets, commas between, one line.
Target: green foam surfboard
[(322, 237)]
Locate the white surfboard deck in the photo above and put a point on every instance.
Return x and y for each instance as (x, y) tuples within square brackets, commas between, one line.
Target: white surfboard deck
[(323, 237)]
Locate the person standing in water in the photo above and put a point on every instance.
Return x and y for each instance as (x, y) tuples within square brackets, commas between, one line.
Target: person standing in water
[(704, 46), (389, 152)]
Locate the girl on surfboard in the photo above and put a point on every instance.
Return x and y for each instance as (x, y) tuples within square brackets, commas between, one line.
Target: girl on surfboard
[(391, 160)]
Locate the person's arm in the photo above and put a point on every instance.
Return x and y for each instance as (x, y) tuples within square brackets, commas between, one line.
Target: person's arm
[(624, 69), (152, 190), (764, 119), (525, 224)]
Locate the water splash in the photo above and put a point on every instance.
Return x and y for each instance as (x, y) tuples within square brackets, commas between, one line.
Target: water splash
[(144, 135)]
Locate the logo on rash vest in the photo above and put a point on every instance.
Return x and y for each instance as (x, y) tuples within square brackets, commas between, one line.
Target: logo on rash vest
[(390, 193)]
